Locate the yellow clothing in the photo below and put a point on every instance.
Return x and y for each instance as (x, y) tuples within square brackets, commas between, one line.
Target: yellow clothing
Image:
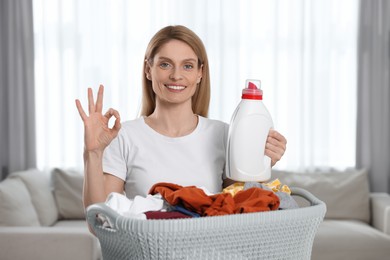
[(275, 185)]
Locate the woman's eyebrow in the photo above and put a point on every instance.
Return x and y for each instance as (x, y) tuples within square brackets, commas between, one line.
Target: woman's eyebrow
[(190, 59), (185, 60), (164, 58)]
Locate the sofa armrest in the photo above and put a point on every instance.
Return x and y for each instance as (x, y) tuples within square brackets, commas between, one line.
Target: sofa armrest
[(380, 211), (47, 243)]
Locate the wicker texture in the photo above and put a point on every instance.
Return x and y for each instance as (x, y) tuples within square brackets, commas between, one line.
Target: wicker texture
[(282, 234)]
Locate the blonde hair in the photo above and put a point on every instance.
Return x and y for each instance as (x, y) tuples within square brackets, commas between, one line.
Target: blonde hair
[(201, 97)]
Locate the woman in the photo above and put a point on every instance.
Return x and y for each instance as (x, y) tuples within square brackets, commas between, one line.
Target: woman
[(172, 141)]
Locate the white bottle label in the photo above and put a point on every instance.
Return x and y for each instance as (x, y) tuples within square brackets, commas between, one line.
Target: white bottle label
[(253, 134), (248, 134)]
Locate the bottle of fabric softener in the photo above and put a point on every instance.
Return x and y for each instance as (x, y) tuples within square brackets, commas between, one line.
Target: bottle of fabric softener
[(248, 131)]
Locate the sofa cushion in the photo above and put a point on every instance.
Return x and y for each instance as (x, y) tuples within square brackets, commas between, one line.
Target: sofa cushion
[(16, 208), (343, 239), (68, 187), (346, 194), (38, 184), (72, 223)]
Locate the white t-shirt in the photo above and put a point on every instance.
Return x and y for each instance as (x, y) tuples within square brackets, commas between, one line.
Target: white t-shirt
[(142, 157)]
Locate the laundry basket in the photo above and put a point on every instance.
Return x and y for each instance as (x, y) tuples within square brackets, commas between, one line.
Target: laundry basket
[(280, 234)]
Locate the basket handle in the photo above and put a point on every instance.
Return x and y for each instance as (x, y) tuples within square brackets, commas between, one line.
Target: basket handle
[(99, 213), (306, 195)]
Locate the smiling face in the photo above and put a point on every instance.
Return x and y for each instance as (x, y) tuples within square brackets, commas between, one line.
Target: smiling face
[(174, 73)]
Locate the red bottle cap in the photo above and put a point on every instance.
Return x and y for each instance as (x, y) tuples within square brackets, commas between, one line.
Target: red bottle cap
[(252, 90)]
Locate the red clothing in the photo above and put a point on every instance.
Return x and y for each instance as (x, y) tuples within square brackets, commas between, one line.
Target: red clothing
[(194, 199), (165, 215)]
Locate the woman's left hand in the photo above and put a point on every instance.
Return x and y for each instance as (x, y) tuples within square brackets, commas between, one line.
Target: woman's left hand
[(275, 146)]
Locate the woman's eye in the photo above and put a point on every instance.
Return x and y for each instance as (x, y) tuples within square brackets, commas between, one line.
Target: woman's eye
[(165, 65), (188, 66)]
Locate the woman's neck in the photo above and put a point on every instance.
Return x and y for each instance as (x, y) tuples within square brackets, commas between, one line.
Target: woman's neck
[(172, 121)]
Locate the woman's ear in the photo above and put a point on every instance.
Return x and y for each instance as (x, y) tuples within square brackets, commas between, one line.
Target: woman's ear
[(200, 74), (147, 70)]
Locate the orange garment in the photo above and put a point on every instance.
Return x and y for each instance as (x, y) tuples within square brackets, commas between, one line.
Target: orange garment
[(256, 199), (194, 199)]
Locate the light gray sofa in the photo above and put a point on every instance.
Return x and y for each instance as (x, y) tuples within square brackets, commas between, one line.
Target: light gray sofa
[(42, 224), (357, 222), (43, 218)]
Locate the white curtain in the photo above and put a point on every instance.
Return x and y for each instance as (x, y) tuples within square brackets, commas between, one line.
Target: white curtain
[(303, 51), (373, 128), (17, 122)]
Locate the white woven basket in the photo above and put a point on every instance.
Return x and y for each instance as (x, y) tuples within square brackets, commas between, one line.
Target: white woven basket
[(281, 234)]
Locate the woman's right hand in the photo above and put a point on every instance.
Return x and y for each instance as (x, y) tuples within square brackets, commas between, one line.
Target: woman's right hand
[(97, 134)]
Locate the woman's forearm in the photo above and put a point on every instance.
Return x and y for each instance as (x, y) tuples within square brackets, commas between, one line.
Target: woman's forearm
[(93, 190)]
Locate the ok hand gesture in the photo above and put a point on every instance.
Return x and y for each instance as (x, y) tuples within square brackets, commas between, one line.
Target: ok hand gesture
[(97, 134)]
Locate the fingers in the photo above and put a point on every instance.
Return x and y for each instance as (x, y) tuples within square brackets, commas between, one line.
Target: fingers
[(117, 124), (275, 146), (275, 135), (274, 152), (81, 110), (91, 103), (111, 112), (97, 108), (114, 113), (99, 100)]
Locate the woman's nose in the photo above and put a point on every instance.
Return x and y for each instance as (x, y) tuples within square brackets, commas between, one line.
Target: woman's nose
[(175, 74)]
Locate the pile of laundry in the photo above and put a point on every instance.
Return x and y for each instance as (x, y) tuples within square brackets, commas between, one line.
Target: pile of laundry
[(170, 201)]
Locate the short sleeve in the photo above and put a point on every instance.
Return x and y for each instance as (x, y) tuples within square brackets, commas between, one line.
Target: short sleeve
[(225, 136), (114, 155)]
